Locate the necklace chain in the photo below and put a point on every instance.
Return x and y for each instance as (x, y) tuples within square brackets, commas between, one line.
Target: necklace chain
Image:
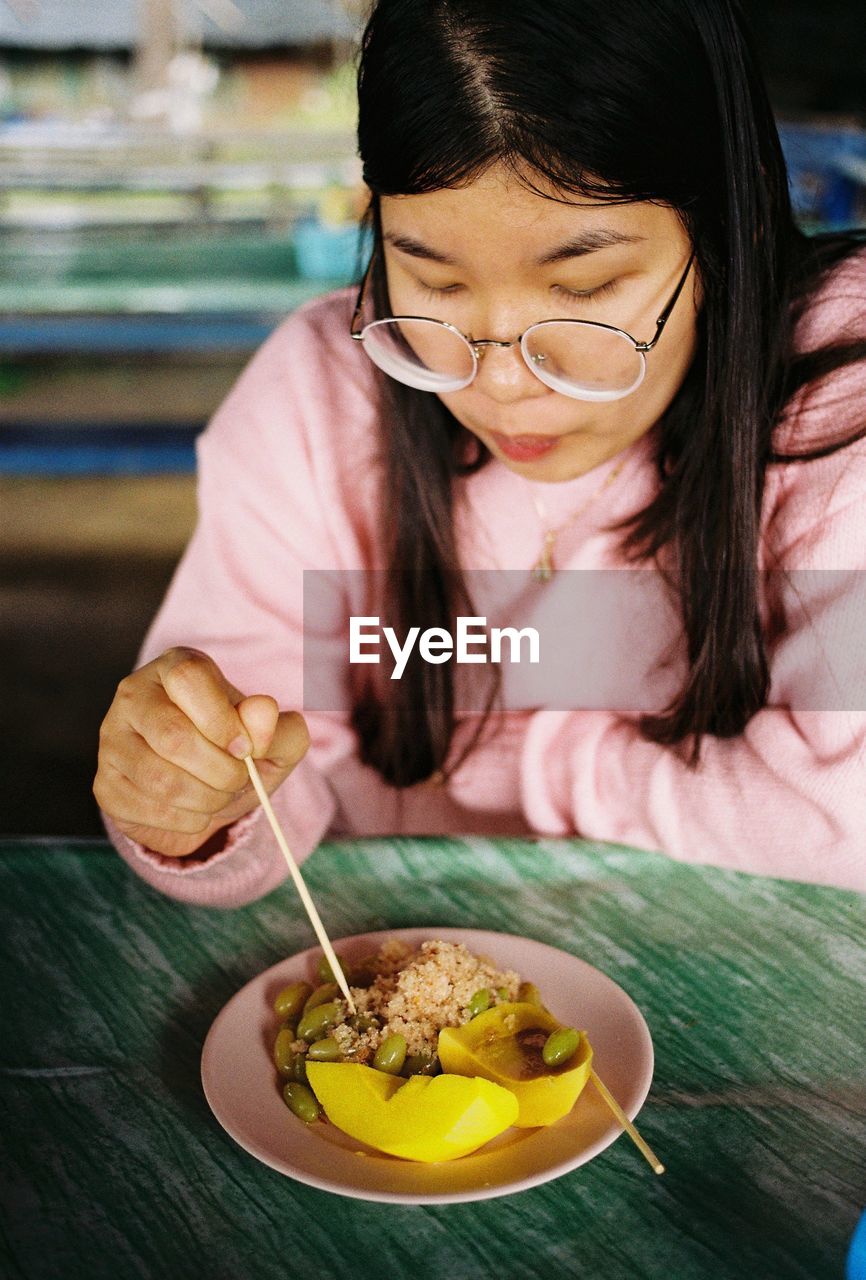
[(544, 568)]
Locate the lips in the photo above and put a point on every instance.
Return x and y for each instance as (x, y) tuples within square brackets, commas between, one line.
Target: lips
[(525, 448)]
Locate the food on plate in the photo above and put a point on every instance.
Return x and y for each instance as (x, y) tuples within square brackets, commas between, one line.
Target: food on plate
[(523, 1048), (423, 1118), (443, 1053), (301, 1101)]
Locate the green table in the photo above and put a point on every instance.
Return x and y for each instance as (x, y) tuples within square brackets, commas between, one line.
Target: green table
[(113, 1166)]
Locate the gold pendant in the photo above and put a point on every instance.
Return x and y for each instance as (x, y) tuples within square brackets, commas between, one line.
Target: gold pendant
[(543, 570)]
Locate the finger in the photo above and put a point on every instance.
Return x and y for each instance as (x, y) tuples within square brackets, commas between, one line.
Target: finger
[(156, 776), (173, 737), (290, 741), (156, 826), (122, 800), (171, 844), (195, 683), (259, 714)]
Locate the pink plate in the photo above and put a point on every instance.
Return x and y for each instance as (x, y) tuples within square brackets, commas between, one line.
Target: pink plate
[(241, 1085)]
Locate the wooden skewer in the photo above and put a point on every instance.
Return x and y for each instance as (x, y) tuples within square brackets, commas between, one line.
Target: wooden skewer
[(310, 906), (646, 1151)]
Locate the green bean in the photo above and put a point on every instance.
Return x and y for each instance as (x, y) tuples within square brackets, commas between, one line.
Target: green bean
[(327, 1050), (299, 1068), (391, 1055), (291, 1000), (560, 1046), (324, 972), (421, 1064), (318, 1021), (528, 993), (480, 1001), (301, 1101), (283, 1053), (362, 1022), (327, 991)]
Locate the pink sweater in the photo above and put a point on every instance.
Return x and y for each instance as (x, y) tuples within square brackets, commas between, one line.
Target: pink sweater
[(288, 481)]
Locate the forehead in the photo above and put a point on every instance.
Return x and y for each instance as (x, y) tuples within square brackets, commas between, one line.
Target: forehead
[(498, 214)]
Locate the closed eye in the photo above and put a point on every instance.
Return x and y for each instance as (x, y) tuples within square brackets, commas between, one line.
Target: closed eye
[(432, 293), (585, 295), (572, 296)]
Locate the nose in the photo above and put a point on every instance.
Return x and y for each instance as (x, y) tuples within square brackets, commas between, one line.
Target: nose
[(504, 376)]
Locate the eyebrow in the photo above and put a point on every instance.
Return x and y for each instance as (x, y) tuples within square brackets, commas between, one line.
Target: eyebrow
[(577, 247)]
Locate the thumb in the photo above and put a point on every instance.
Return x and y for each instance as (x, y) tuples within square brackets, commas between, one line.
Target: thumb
[(280, 737), (291, 740), (259, 714)]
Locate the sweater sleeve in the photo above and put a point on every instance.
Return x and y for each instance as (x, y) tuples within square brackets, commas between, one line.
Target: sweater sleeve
[(267, 502), (787, 797)]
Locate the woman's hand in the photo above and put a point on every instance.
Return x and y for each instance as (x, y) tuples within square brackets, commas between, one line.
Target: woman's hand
[(171, 771)]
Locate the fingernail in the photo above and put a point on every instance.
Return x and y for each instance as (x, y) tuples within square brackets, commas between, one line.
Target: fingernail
[(240, 746)]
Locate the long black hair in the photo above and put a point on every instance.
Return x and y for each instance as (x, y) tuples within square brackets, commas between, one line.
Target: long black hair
[(625, 100)]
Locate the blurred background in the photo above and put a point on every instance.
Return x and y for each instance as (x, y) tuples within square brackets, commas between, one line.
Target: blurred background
[(175, 177)]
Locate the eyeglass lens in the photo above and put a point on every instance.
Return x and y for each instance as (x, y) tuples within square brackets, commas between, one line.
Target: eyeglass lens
[(569, 356)]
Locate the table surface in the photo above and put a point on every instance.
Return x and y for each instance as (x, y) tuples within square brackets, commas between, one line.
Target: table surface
[(113, 1165)]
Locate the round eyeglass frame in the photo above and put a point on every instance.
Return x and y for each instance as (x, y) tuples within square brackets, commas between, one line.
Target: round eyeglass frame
[(477, 346)]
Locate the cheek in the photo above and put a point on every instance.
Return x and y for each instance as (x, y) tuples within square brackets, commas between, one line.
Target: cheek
[(668, 363), (557, 415), (460, 404)]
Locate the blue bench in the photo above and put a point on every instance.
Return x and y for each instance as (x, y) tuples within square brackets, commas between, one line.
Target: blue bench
[(85, 449)]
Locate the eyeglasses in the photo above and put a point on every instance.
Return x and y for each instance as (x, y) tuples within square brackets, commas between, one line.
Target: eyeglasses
[(583, 359)]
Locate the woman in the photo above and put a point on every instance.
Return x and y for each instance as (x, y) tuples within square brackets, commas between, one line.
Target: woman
[(609, 163)]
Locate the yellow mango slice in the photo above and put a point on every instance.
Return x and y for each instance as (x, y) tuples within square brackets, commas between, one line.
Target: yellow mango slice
[(425, 1118), (500, 1046)]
